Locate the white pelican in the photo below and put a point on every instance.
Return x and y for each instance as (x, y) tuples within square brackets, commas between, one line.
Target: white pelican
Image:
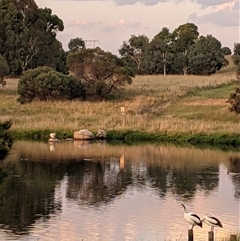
[(52, 135), (212, 221), (192, 218)]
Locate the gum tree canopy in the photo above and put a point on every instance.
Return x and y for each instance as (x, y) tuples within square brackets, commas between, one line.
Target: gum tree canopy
[(134, 50), (100, 72), (28, 36), (76, 44), (205, 57)]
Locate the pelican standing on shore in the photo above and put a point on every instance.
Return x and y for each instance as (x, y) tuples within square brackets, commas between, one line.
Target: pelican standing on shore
[(212, 221), (192, 218)]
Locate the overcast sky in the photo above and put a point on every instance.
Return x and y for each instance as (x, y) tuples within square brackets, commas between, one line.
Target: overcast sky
[(111, 22)]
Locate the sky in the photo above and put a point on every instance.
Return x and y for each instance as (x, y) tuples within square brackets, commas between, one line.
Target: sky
[(111, 22)]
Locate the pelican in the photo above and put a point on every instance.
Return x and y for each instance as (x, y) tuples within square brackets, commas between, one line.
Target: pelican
[(212, 221), (52, 135), (192, 218)]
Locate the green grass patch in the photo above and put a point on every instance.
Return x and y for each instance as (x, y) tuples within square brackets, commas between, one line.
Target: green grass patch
[(218, 92), (40, 135)]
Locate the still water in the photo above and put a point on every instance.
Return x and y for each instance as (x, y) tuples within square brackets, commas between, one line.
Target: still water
[(96, 191)]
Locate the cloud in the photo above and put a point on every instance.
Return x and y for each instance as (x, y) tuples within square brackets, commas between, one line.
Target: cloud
[(154, 2), (236, 6), (224, 15), (120, 25), (204, 3), (212, 2), (144, 2), (82, 24), (126, 2)]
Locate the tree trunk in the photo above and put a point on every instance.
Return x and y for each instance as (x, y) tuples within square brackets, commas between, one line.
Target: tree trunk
[(164, 69)]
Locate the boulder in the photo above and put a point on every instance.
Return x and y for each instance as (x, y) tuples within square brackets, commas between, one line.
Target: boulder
[(101, 134), (83, 135)]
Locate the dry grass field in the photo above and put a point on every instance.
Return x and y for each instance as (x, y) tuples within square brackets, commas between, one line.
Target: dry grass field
[(169, 104)]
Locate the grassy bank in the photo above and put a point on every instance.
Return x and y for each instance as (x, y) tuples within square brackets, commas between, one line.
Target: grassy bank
[(233, 238), (175, 108)]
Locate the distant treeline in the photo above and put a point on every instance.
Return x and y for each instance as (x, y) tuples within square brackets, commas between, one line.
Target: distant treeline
[(28, 40)]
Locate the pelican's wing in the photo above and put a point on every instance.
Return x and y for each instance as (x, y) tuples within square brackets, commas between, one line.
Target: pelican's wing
[(196, 219), (214, 221)]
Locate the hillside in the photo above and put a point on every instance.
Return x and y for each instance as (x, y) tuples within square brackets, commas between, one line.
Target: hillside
[(169, 104)]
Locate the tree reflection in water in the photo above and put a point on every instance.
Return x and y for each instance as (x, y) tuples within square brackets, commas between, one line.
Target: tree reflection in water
[(6, 141), (96, 177), (94, 182), (183, 181), (29, 194), (234, 173)]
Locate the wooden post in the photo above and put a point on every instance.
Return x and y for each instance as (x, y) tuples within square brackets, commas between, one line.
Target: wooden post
[(233, 237), (190, 234), (123, 116), (210, 236)]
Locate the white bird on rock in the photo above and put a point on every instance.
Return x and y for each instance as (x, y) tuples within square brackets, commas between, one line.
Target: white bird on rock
[(212, 221), (192, 218)]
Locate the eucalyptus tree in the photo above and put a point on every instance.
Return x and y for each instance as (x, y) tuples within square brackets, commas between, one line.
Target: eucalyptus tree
[(76, 44), (236, 58), (10, 26), (159, 54), (50, 51), (134, 51), (183, 38), (28, 35), (236, 49), (205, 57), (236, 54), (100, 72)]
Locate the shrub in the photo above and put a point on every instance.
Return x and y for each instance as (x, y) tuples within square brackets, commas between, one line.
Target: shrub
[(234, 100), (44, 83)]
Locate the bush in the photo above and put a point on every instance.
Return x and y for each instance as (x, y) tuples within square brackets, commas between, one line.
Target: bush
[(226, 51), (234, 100), (44, 83)]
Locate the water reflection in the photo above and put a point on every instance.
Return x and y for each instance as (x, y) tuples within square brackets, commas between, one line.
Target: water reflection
[(234, 165), (95, 182), (234, 173), (6, 141), (129, 188), (28, 194)]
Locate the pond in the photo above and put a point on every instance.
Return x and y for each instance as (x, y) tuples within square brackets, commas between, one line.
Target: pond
[(97, 191)]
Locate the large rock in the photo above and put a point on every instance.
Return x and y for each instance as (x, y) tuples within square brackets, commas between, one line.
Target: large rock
[(101, 134), (83, 135)]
